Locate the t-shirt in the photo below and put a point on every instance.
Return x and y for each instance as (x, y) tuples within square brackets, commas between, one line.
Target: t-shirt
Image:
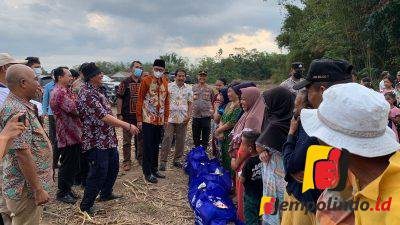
[(251, 173)]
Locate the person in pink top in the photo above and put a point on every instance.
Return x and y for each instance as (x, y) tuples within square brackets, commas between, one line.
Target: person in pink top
[(252, 119), (68, 132), (394, 111)]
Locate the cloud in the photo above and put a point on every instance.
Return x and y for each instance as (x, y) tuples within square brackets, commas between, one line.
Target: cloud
[(261, 40), (70, 32)]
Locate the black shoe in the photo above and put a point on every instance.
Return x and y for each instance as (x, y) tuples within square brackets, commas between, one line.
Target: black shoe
[(151, 179), (91, 211), (159, 175), (110, 198), (67, 199), (178, 165), (74, 195)]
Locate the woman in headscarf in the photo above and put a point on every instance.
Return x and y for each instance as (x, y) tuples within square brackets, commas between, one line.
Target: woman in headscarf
[(279, 104), (219, 108), (254, 107), (231, 114)]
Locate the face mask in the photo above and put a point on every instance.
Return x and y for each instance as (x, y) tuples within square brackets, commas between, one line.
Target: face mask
[(298, 74), (158, 74), (38, 71), (138, 72)]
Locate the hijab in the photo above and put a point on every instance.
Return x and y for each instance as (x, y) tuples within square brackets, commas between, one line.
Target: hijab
[(253, 117), (237, 88), (279, 104)]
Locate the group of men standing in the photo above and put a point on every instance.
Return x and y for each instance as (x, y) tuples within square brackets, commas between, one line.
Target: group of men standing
[(82, 131)]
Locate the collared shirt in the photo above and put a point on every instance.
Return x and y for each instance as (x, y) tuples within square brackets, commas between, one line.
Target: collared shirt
[(289, 83), (68, 124), (153, 101), (128, 91), (180, 99), (202, 101), (46, 98), (92, 107), (386, 187), (35, 139)]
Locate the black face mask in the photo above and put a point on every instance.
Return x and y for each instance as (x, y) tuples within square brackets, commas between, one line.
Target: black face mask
[(298, 74)]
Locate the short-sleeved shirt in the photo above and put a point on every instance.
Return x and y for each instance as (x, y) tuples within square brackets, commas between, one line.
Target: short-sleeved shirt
[(251, 172), (289, 83), (35, 139), (202, 101), (92, 107), (180, 97), (153, 101), (128, 91), (68, 124)]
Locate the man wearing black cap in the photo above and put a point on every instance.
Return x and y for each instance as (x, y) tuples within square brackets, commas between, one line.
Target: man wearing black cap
[(296, 73), (152, 114), (98, 138), (323, 73), (203, 96)]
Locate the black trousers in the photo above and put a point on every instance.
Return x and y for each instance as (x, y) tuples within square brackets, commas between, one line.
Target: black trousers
[(69, 168), (151, 143), (81, 176), (53, 140), (103, 172), (201, 129)]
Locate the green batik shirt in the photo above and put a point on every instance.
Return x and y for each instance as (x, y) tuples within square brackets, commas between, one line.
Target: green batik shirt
[(33, 138)]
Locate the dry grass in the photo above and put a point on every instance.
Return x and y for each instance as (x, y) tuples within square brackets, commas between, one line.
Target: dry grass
[(143, 203)]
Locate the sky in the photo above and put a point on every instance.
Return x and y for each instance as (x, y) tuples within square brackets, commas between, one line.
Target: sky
[(69, 32)]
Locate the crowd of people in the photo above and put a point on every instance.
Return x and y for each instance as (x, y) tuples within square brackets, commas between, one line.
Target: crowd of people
[(262, 138)]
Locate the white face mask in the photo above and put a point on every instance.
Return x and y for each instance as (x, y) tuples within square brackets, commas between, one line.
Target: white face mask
[(38, 71), (158, 74)]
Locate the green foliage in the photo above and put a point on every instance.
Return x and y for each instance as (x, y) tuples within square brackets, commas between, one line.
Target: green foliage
[(243, 65), (365, 32)]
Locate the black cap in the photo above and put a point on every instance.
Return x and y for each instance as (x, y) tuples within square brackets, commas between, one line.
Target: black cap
[(90, 70), (297, 65), (202, 72), (326, 70), (159, 62)]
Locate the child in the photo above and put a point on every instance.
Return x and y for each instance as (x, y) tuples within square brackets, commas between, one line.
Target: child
[(391, 99), (251, 178)]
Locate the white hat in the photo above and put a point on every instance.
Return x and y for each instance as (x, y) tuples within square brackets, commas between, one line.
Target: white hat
[(354, 118), (6, 58)]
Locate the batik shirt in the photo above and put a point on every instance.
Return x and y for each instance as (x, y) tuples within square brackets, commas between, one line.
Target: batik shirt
[(68, 124), (92, 107), (128, 91), (35, 139), (153, 101), (180, 97)]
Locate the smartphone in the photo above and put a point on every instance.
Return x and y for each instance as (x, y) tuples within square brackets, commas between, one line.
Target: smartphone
[(22, 118)]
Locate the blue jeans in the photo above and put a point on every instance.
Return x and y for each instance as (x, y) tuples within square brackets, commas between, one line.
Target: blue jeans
[(103, 171)]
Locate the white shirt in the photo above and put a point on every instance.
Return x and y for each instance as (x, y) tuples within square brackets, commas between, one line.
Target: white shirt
[(381, 85), (4, 91)]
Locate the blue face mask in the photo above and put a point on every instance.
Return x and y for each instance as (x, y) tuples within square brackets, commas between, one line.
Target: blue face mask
[(138, 72)]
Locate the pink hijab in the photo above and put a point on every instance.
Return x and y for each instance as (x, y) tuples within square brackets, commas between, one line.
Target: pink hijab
[(252, 119)]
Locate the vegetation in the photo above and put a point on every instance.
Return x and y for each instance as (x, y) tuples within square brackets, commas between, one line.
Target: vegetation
[(364, 32)]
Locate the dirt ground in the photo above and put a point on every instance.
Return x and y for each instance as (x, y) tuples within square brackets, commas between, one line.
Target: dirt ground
[(143, 203)]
